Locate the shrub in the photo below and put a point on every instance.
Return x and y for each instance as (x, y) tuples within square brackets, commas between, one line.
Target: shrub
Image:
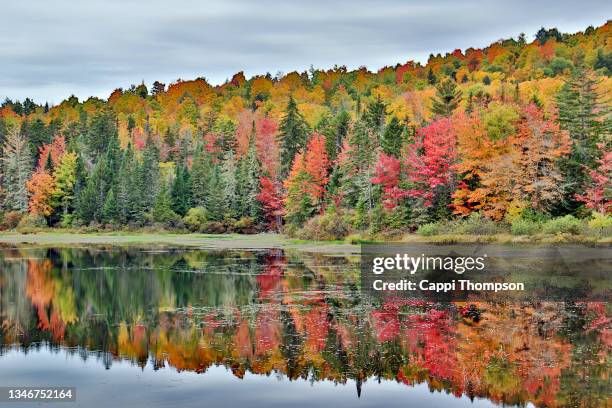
[(563, 225), (10, 220), (30, 222), (525, 227), (67, 220), (428, 230), (213, 227), (601, 224), (478, 225), (164, 215), (327, 227), (195, 219), (245, 225)]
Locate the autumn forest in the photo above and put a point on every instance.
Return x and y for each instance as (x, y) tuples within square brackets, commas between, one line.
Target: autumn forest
[(513, 137)]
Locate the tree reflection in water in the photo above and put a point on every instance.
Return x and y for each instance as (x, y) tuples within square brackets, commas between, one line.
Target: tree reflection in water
[(298, 316)]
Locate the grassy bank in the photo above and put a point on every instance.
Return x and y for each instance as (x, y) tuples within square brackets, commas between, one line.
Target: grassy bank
[(60, 238), (207, 241)]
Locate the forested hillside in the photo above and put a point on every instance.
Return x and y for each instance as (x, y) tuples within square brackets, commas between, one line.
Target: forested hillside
[(514, 134)]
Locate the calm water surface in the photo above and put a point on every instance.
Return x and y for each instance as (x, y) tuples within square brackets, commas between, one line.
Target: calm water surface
[(171, 327)]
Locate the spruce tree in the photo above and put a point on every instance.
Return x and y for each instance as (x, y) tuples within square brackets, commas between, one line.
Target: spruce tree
[(16, 167), (374, 116), (391, 141), (251, 172), (180, 191), (215, 200), (109, 210), (129, 183), (230, 184), (149, 174), (101, 131), (431, 77), (335, 135), (587, 122), (447, 98), (200, 175), (92, 198), (162, 208), (293, 136)]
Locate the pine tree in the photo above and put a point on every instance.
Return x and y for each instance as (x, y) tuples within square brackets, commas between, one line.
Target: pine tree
[(180, 191), (356, 165), (215, 202), (585, 119), (149, 174), (101, 131), (391, 141), (93, 196), (293, 136), (109, 211), (431, 77), (334, 137), (163, 207), (447, 98), (230, 184), (200, 175), (252, 174), (16, 166), (128, 183), (374, 116)]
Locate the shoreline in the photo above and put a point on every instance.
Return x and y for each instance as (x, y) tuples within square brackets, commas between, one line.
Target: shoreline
[(265, 240)]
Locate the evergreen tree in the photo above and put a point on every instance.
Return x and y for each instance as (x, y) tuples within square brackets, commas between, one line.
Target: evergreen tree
[(356, 170), (431, 77), (391, 142), (447, 98), (129, 200), (101, 131), (180, 190), (38, 134), (334, 137), (92, 191), (163, 207), (374, 116), (158, 88), (109, 211), (200, 175), (93, 197), (230, 184), (149, 174), (293, 136), (227, 131), (248, 184), (215, 202), (587, 122), (16, 168)]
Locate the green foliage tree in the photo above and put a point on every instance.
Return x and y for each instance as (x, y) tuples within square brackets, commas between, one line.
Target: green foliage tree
[(200, 175), (587, 121), (391, 141), (181, 197), (163, 208), (100, 132), (447, 98), (292, 136)]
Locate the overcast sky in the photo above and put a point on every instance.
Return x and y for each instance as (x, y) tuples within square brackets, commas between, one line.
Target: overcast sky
[(50, 49)]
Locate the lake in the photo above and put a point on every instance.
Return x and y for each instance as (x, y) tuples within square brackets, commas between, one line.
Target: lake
[(169, 327)]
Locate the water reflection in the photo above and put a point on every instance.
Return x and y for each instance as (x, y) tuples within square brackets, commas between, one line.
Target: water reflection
[(297, 317)]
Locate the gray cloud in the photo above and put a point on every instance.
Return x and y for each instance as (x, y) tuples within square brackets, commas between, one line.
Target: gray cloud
[(51, 49)]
